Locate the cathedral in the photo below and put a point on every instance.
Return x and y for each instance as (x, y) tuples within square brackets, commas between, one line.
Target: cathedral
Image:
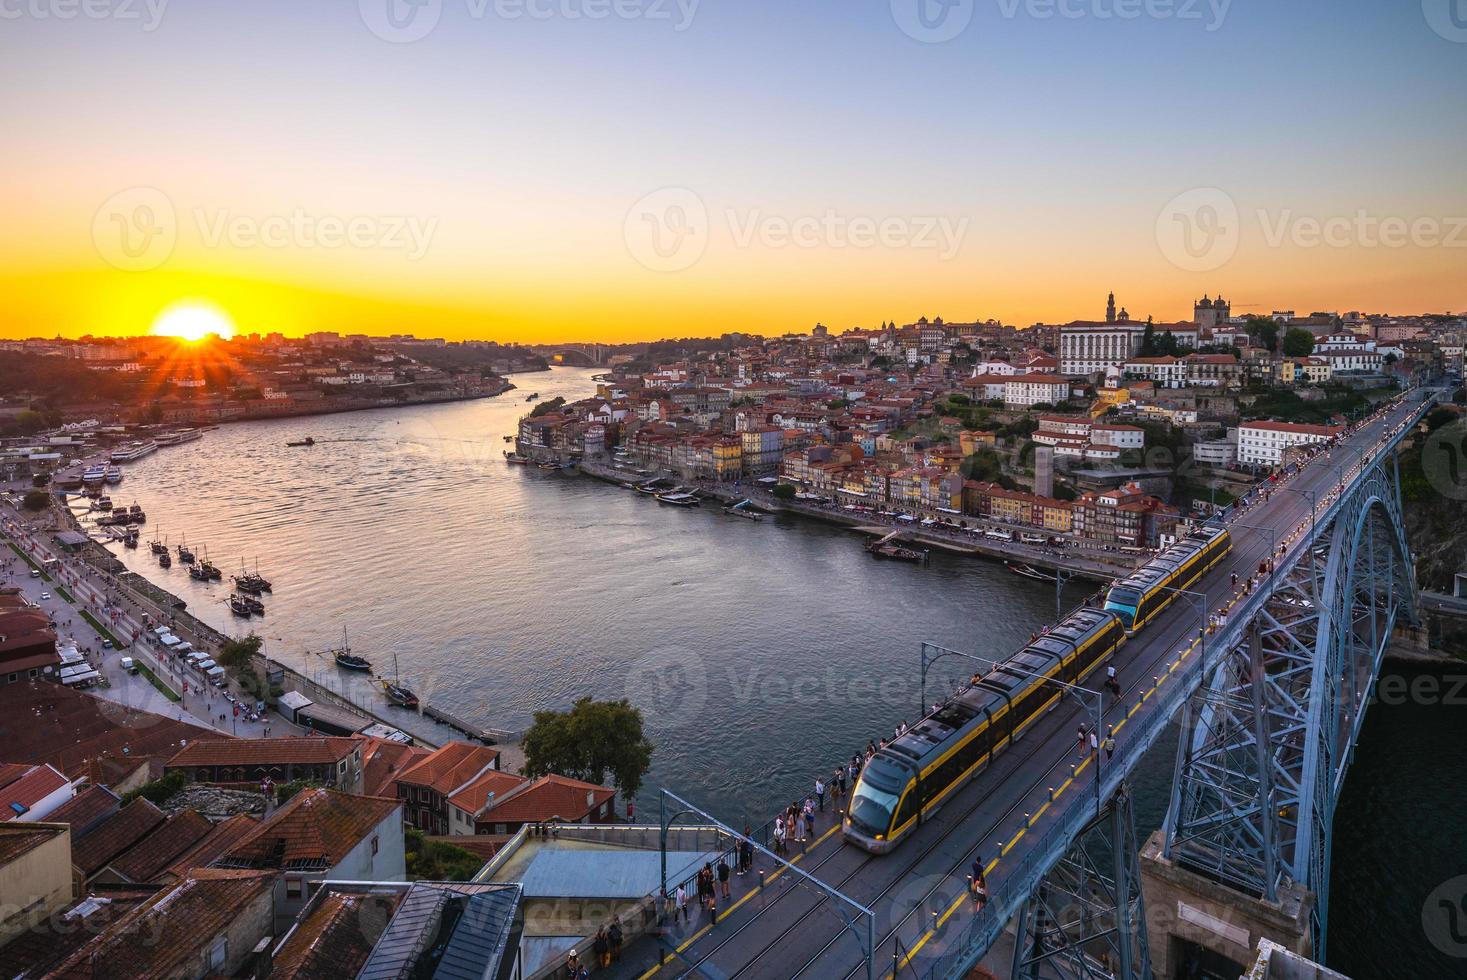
[(1210, 313)]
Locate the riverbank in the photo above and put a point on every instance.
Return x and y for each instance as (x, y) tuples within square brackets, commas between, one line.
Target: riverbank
[(1091, 567)]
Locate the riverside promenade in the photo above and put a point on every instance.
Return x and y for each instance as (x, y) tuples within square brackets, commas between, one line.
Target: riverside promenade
[(1076, 558)]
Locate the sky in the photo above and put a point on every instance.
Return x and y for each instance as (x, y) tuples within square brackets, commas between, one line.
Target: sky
[(618, 170)]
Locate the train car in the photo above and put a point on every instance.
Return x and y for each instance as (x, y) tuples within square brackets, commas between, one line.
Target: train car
[(915, 774), (1141, 596)]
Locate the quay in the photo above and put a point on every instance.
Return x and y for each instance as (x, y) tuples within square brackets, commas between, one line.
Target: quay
[(1093, 563)]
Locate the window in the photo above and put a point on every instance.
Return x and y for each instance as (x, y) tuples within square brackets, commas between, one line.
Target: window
[(218, 953), (292, 888), (374, 845)]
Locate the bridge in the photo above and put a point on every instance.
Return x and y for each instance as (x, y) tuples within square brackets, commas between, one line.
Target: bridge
[(582, 355), (1269, 687)]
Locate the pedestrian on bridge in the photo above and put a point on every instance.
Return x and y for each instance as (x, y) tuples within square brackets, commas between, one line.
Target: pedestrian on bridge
[(978, 885), (1080, 741), (1113, 685), (746, 853), (1094, 743), (1110, 742), (723, 876), (682, 902), (820, 793)]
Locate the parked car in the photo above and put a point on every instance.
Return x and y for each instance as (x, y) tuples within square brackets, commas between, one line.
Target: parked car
[(130, 665), (45, 595)]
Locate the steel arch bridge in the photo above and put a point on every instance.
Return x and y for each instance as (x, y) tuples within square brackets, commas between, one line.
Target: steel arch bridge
[(1269, 738), (1269, 721)]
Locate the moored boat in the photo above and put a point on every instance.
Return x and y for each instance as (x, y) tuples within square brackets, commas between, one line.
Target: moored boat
[(399, 696), (237, 605), (347, 660), (516, 458), (307, 441)]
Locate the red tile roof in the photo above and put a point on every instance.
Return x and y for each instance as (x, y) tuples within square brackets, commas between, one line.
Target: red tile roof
[(549, 798), (224, 835), (475, 796), (316, 829), (167, 933), (20, 795), (336, 938), (151, 856), (450, 767), (311, 751), (79, 733), (116, 834), (85, 810), (383, 761)]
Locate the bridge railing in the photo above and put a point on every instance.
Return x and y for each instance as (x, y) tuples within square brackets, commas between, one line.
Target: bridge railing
[(983, 930)]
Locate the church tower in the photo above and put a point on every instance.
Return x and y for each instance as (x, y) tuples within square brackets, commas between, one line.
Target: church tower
[(1110, 309)]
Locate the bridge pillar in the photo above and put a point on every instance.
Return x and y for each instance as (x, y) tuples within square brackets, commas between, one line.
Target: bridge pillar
[(1193, 920)]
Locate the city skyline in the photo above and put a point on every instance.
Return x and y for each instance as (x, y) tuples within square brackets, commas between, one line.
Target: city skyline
[(693, 169)]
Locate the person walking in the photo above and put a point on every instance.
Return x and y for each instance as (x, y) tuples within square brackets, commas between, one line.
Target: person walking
[(1110, 743), (682, 903), (746, 854), (1110, 680), (614, 940), (820, 793), (779, 835), (809, 820), (1080, 741), (723, 876), (978, 883), (601, 948)]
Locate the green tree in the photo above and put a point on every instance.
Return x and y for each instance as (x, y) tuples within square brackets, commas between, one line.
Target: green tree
[(40, 480), (238, 653), (783, 491), (436, 860), (1265, 330), (1298, 342), (589, 741), (35, 500)]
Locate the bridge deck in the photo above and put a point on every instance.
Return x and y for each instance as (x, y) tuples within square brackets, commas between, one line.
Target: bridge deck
[(919, 892)]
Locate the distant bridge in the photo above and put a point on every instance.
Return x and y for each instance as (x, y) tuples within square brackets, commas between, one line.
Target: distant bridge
[(1270, 705), (581, 355)]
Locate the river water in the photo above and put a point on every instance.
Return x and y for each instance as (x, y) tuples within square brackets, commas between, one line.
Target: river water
[(761, 653)]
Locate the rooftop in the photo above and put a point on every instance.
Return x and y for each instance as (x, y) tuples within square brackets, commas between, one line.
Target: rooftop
[(335, 933), (17, 838), (114, 835), (315, 830), (451, 767), (309, 751)]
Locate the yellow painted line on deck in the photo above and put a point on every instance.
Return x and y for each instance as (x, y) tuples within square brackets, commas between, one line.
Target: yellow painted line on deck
[(747, 895)]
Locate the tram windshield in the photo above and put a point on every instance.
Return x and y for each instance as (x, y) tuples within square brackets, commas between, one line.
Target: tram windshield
[(871, 808), (1123, 603)]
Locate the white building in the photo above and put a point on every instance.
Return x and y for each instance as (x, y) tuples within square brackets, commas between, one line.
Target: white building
[(1089, 348), (1024, 390), (1265, 443), (1165, 371), (1216, 452), (1118, 436)]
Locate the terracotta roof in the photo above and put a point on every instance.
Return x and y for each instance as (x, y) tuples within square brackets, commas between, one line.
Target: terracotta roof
[(11, 771), (76, 732), (473, 797), (151, 856), (311, 751), (336, 937), (17, 838), (316, 829), (208, 849), (549, 798), (383, 761), (161, 936), (114, 835), (19, 795), (56, 937), (450, 767), (85, 810)]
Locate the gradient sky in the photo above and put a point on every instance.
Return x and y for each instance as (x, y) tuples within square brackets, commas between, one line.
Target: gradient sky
[(525, 145)]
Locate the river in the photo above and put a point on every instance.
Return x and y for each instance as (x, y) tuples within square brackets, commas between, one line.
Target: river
[(761, 653)]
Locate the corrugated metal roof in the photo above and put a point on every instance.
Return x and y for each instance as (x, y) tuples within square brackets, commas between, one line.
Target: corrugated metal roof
[(605, 873), (447, 930)]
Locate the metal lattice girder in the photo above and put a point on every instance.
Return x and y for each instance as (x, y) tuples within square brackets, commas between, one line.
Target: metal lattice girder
[(1086, 920), (1267, 739)]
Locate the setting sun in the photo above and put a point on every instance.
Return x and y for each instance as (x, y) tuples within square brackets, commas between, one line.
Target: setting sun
[(193, 321)]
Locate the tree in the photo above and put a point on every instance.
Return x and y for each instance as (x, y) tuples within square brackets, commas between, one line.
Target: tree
[(589, 741), (1298, 342), (436, 860), (1265, 330), (239, 653), (35, 500), (40, 480), (783, 491)]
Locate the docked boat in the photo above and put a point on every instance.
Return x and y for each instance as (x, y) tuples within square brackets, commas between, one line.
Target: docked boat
[(210, 570), (347, 660), (399, 696), (256, 606), (897, 552), (307, 441), (94, 474), (113, 474), (185, 555), (130, 539), (516, 458), (165, 560), (238, 605), (531, 397), (197, 573), (509, 438), (745, 509), (133, 451), (678, 497), (1029, 571), (654, 487), (179, 437), (158, 547)]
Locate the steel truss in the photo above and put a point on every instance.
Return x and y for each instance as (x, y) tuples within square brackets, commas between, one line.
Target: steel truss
[(1268, 736), (1086, 919)]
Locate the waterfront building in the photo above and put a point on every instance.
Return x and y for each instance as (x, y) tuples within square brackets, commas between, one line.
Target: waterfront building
[(246, 762), (1265, 443), (1127, 517), (427, 786), (1213, 370), (1166, 371), (1025, 390)]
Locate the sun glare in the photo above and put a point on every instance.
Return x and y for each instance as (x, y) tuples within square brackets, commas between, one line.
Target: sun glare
[(193, 321)]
